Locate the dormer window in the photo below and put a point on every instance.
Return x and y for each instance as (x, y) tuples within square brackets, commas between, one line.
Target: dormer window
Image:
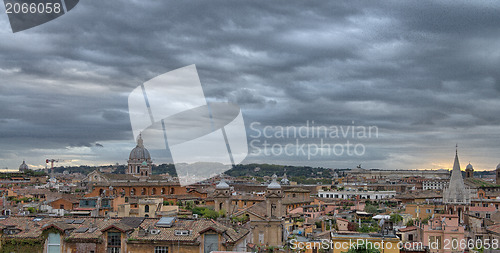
[(11, 231), (182, 232)]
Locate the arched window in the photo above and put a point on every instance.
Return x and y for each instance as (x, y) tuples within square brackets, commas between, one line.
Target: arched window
[(138, 168), (143, 192), (146, 209), (153, 191), (146, 173), (220, 206), (162, 190), (132, 192), (172, 190), (101, 191)]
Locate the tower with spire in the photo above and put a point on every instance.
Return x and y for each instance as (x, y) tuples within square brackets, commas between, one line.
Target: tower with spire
[(456, 192), (456, 196)]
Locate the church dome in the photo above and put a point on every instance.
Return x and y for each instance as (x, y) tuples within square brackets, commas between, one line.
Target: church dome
[(222, 185), (274, 184), (140, 152), (469, 167), (23, 166)]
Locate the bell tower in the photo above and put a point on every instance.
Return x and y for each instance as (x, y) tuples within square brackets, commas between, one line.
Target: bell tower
[(469, 171), (274, 197), (222, 197)]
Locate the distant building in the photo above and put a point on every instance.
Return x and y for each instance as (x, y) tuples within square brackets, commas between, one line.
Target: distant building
[(23, 167), (498, 174), (469, 171), (422, 210), (139, 162), (354, 194), (435, 184)]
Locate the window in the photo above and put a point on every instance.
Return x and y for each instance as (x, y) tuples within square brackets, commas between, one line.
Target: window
[(61, 206), (427, 210), (436, 241), (181, 232), (211, 242), (161, 249), (146, 209), (114, 242), (54, 243), (488, 216)]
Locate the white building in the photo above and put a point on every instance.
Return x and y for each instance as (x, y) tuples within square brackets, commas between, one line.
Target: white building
[(354, 194), (438, 184)]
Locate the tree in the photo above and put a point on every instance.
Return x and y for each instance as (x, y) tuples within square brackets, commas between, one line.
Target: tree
[(210, 214), (409, 223), (396, 218), (370, 209)]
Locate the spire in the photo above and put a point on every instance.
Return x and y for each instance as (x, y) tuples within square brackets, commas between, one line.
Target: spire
[(456, 164), (456, 191), (140, 142)]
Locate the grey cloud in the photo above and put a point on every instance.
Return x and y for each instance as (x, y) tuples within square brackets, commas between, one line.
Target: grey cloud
[(425, 73)]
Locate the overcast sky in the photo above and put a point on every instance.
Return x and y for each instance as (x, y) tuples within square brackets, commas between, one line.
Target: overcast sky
[(425, 73)]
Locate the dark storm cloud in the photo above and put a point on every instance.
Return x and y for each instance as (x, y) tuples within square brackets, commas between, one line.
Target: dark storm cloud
[(424, 72)]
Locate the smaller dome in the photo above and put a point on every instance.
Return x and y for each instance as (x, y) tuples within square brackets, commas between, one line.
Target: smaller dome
[(23, 166), (274, 184), (469, 167), (285, 179), (222, 185), (144, 163)]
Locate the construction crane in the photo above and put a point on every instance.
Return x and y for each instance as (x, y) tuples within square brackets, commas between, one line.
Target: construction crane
[(52, 161)]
